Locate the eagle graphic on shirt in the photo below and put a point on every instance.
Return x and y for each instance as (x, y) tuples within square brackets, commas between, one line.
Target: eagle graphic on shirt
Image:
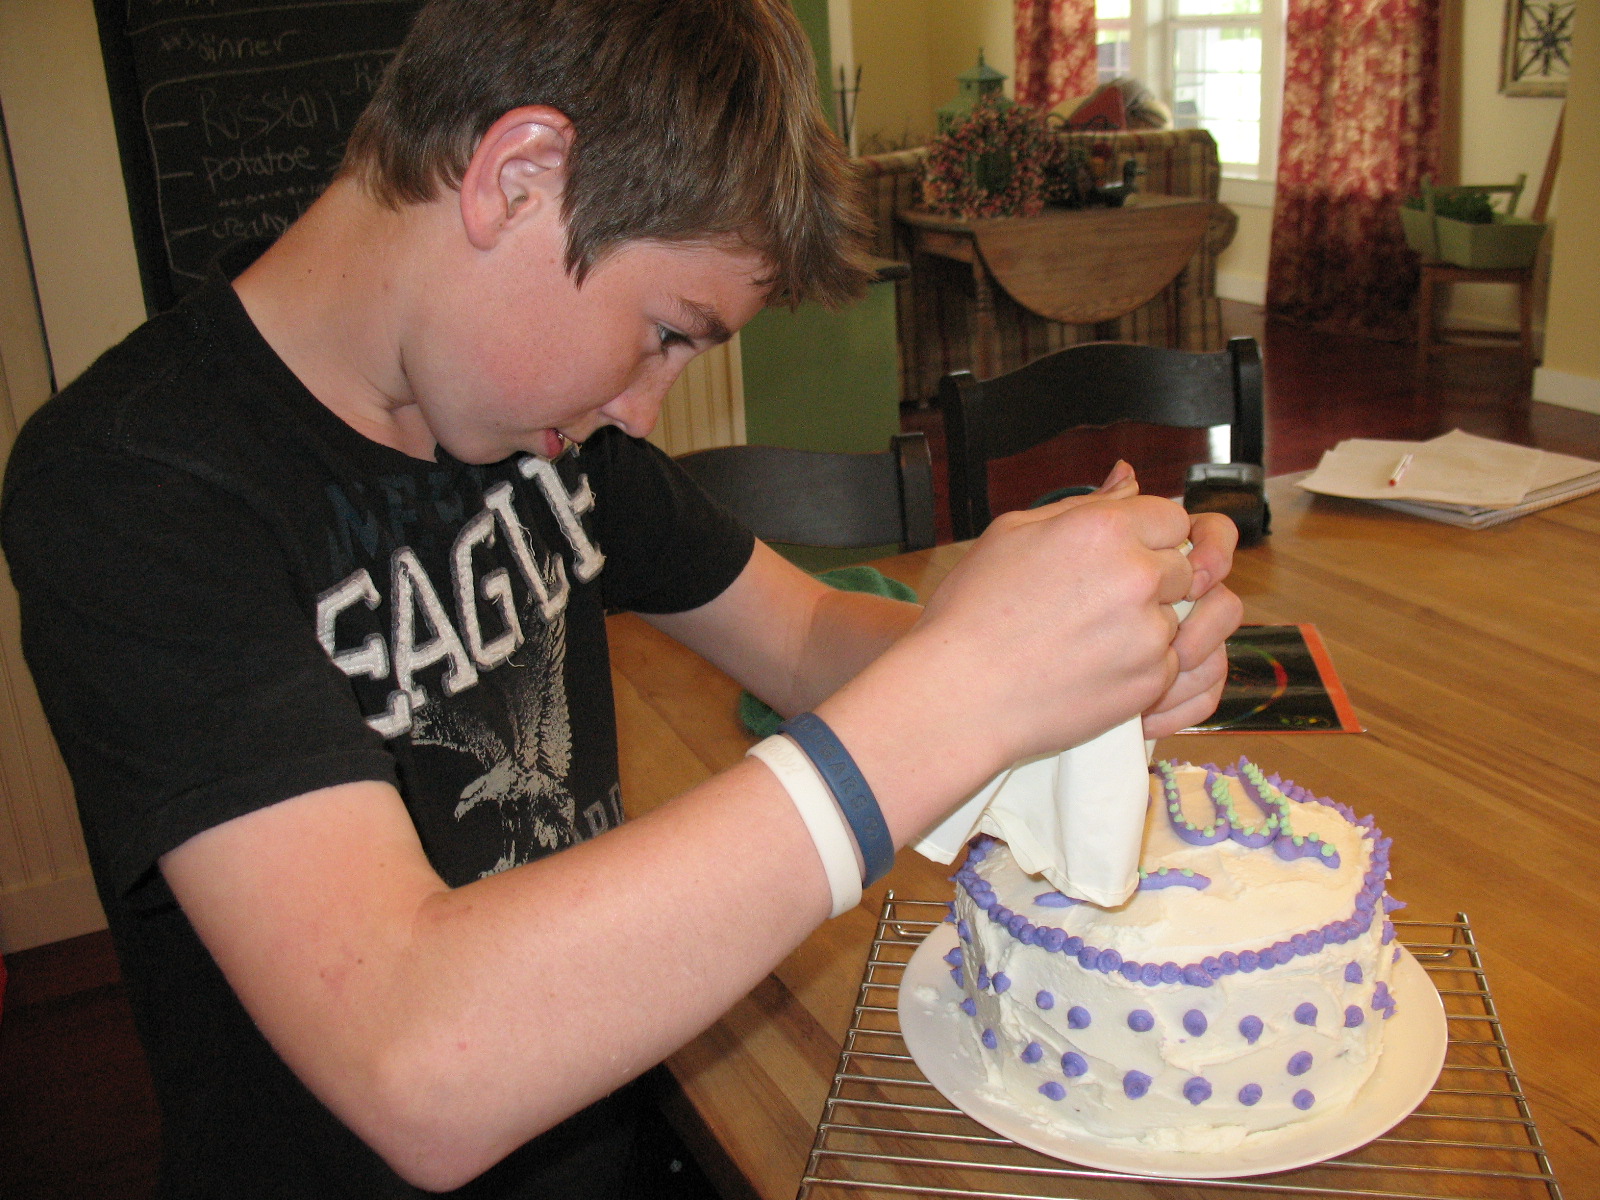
[(525, 759)]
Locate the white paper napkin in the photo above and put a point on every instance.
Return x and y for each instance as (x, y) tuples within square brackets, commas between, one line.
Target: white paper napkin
[(1077, 818)]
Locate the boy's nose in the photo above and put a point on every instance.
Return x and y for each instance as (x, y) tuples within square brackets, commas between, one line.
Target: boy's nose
[(638, 408)]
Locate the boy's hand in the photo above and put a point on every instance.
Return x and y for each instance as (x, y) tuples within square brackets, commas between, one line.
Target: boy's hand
[(1058, 624)]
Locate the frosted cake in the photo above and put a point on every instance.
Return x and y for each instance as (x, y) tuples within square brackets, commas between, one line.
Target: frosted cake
[(1242, 989)]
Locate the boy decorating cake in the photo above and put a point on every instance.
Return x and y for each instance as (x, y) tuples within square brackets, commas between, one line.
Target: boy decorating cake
[(314, 571)]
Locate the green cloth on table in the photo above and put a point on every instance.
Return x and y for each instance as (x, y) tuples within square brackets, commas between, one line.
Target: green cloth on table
[(762, 720)]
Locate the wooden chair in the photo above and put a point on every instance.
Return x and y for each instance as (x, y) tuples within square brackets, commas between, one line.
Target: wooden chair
[(822, 498), (1093, 385), (1433, 293)]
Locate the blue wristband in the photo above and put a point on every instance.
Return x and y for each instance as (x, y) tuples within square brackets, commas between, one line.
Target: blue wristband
[(849, 788)]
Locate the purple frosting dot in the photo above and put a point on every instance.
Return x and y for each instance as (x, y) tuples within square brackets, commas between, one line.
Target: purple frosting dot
[(955, 973), (1197, 1090), (989, 1039), (1300, 1063), (1195, 976), (1171, 972), (1135, 1084), (1088, 957), (1107, 962), (1141, 1021), (1248, 960), (1229, 961), (1150, 974), (963, 930), (968, 1007), (1129, 971), (1045, 1000), (1052, 1090), (1352, 972), (1032, 1052), (983, 978), (1303, 1099), (1073, 1064), (1250, 1027), (1353, 1016), (1305, 1014), (1001, 982), (1051, 939), (1250, 1094), (1077, 1017), (1195, 1022), (1072, 944), (954, 958)]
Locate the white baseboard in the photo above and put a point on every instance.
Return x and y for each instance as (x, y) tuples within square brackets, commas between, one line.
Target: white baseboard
[(1242, 288), (1568, 390), (50, 912)]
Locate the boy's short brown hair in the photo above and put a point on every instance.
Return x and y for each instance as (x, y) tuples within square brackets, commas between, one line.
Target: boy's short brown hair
[(694, 120)]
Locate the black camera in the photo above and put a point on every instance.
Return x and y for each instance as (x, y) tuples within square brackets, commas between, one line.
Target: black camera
[(1236, 490)]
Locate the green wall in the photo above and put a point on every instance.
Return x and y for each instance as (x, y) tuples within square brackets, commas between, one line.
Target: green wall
[(818, 379)]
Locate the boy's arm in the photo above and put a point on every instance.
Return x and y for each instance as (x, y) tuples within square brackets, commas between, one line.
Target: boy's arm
[(447, 1026), (794, 641)]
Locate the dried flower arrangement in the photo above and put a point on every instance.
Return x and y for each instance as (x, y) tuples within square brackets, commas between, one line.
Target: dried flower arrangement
[(993, 163)]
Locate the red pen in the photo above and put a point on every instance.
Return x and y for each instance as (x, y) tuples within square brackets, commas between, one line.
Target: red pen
[(1399, 472)]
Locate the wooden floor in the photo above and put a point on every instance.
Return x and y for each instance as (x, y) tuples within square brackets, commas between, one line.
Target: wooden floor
[(77, 1119)]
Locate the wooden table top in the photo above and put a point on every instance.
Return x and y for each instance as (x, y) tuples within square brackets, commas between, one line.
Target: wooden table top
[(1472, 658)]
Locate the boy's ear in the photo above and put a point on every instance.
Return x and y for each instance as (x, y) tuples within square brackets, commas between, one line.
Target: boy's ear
[(518, 169)]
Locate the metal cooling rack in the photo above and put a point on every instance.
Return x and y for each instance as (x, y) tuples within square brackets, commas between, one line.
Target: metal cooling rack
[(886, 1131)]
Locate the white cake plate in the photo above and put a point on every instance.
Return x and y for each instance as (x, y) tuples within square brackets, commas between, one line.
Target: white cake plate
[(1414, 1049)]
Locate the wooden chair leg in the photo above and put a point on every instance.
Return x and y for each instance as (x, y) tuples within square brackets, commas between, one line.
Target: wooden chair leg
[(1525, 313), (1425, 295)]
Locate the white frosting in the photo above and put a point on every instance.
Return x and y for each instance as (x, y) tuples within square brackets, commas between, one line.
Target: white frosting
[(1255, 899)]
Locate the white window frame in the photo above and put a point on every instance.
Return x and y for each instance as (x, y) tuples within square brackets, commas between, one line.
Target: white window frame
[(1151, 25)]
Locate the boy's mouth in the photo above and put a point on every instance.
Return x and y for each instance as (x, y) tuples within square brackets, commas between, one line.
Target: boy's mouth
[(555, 444)]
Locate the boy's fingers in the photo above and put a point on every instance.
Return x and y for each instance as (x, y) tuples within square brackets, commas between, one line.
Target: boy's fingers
[(1214, 537)]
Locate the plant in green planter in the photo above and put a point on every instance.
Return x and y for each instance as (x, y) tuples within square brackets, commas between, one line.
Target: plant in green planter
[(1473, 207), (1460, 225)]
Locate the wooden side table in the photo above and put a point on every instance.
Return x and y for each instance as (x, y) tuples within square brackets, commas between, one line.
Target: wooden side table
[(1087, 266)]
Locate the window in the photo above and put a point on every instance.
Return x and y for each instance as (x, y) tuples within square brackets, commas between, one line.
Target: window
[(1217, 63)]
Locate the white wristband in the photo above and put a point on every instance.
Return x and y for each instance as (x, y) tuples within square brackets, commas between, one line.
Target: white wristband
[(824, 821)]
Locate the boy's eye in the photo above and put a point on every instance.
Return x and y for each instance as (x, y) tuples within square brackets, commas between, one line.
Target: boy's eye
[(671, 337)]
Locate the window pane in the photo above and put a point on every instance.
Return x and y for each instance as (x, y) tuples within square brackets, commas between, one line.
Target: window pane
[(1217, 8), (1216, 85), (1112, 10), (1115, 54)]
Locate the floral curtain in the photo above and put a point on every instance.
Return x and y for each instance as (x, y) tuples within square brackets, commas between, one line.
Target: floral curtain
[(1360, 130), (1056, 58)]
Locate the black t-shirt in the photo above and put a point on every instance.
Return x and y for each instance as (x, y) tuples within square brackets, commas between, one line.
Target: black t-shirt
[(230, 597)]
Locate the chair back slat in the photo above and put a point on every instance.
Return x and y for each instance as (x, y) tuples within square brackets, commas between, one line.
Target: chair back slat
[(824, 498), (1094, 385)]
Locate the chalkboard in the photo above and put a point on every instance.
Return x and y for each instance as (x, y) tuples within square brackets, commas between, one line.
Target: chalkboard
[(232, 115)]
